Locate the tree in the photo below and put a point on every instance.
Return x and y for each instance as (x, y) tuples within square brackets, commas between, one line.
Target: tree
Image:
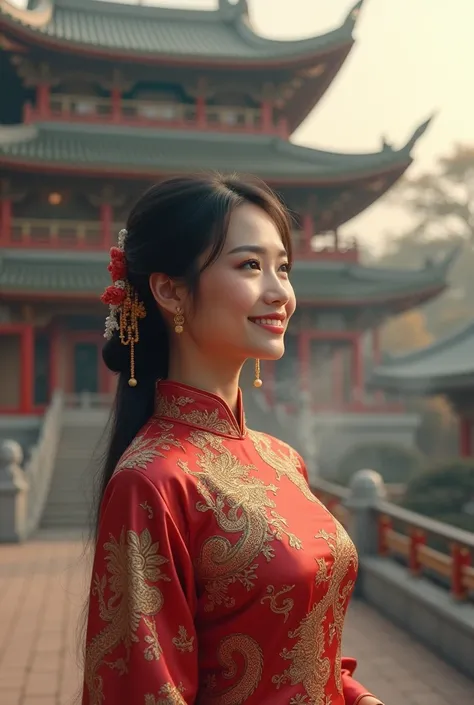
[(405, 333), (442, 206), (442, 202)]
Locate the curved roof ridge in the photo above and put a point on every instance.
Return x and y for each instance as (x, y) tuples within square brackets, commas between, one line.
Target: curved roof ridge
[(343, 33), (226, 32), (144, 11), (35, 18), (463, 333)]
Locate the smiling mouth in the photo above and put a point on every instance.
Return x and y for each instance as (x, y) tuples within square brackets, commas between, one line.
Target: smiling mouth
[(273, 325)]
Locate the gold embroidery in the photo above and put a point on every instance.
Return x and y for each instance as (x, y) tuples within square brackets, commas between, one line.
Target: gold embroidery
[(242, 506), (287, 604), (148, 509), (172, 696), (211, 420), (251, 653), (309, 666), (183, 641), (144, 449), (132, 563), (286, 462)]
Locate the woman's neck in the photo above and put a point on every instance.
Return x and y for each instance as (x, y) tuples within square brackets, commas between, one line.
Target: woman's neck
[(212, 376)]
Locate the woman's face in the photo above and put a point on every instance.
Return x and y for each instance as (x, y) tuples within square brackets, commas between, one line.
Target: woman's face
[(245, 298)]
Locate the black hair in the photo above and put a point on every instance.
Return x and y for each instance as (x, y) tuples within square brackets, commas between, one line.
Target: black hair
[(169, 230)]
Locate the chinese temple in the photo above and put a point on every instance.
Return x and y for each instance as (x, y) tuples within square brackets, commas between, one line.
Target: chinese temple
[(445, 367), (106, 98)]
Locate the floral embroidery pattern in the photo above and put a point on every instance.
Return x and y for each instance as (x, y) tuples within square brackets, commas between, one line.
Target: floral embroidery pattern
[(148, 509), (172, 695), (144, 449), (272, 596), (212, 420), (133, 562), (183, 641)]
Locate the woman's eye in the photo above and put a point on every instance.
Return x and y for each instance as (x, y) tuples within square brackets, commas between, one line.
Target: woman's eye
[(285, 268), (251, 264)]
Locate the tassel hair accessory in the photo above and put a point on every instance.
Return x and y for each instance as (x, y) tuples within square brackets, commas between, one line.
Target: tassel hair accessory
[(125, 308)]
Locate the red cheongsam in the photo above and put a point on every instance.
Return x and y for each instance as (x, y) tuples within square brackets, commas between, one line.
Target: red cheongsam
[(218, 577)]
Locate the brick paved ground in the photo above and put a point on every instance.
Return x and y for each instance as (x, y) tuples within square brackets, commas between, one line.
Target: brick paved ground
[(42, 586)]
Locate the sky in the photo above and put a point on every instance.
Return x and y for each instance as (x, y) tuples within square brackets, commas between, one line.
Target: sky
[(412, 58)]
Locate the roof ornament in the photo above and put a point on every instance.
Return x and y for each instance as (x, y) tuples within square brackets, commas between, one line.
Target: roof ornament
[(419, 132), (36, 13), (353, 15), (232, 9)]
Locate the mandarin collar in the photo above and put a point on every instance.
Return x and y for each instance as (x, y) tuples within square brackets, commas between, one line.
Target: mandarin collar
[(200, 409)]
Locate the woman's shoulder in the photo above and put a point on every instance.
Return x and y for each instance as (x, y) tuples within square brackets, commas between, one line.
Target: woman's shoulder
[(159, 455), (276, 444)]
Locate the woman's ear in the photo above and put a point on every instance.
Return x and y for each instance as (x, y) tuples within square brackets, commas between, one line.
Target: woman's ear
[(167, 293)]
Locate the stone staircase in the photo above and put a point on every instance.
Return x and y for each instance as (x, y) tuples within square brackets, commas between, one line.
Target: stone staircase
[(81, 445)]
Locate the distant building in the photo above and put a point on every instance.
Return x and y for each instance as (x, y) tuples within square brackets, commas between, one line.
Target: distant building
[(104, 99), (445, 367)]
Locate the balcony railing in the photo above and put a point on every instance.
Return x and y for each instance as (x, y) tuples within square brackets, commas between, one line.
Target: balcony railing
[(89, 235), (405, 537), (57, 234), (148, 112), (329, 248)]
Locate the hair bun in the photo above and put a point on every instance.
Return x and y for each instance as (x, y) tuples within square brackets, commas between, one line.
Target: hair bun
[(115, 355)]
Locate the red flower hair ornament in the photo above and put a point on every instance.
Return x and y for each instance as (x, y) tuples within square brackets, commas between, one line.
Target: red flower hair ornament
[(125, 308), (115, 294)]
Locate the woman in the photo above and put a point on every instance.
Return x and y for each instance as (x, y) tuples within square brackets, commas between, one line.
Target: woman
[(218, 577)]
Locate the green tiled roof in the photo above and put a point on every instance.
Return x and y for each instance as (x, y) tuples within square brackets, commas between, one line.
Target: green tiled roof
[(319, 281), (213, 35), (446, 365), (142, 150)]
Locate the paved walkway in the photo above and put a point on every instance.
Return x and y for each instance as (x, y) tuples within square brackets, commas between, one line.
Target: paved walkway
[(42, 588)]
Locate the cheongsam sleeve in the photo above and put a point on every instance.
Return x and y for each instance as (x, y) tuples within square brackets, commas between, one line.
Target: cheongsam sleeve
[(141, 642), (354, 691)]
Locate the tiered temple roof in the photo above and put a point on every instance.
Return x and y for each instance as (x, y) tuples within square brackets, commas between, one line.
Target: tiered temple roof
[(446, 366), (222, 39), (122, 150), (106, 40), (327, 283), (222, 34)]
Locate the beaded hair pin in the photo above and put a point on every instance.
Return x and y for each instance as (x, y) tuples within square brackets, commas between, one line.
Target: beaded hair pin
[(125, 309)]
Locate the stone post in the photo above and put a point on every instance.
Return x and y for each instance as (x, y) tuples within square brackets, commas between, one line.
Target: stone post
[(13, 493), (367, 488)]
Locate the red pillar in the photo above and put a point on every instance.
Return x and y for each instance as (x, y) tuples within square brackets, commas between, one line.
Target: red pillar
[(54, 358), (116, 100), (201, 116), (338, 377), (357, 370), (42, 99), (27, 369), (465, 444), (5, 220), (267, 116), (376, 359), (106, 223), (308, 231)]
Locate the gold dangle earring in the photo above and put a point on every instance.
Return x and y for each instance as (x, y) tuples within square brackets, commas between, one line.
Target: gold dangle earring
[(178, 320), (257, 381)]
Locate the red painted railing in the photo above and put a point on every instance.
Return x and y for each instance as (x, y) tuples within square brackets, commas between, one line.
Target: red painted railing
[(405, 536), (152, 113), (89, 235), (57, 234)]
